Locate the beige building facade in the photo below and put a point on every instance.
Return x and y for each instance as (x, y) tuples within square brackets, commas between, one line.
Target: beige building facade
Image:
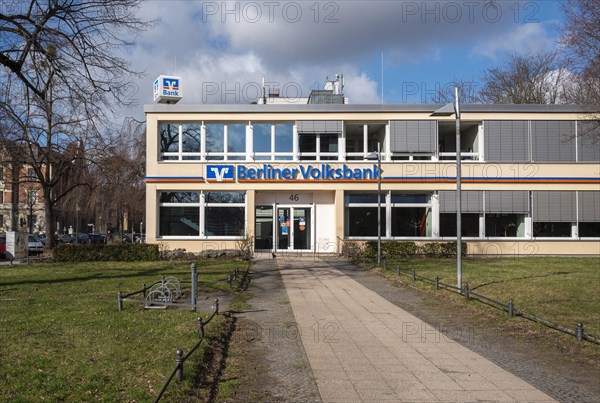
[(297, 178)]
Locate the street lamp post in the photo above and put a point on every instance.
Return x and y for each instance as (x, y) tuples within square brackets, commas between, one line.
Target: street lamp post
[(371, 156), (449, 110), (76, 223)]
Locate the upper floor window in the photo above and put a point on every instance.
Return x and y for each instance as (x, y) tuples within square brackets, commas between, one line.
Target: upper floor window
[(179, 141), (273, 141)]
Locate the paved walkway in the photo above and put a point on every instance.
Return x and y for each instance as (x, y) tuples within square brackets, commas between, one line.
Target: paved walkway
[(363, 348)]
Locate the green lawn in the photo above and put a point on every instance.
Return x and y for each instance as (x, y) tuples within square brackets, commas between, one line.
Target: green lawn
[(62, 338), (563, 290)]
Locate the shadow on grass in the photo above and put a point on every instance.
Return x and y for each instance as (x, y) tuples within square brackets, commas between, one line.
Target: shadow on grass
[(558, 273)]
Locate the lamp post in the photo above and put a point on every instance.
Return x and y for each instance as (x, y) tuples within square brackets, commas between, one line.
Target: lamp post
[(76, 223), (372, 156), (449, 110), (31, 200)]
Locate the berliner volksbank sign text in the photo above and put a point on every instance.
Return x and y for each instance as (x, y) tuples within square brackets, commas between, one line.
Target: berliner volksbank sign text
[(268, 172)]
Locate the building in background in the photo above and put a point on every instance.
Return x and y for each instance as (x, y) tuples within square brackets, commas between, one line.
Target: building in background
[(21, 199)]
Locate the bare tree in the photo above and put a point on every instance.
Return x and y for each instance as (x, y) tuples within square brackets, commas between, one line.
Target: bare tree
[(61, 77), (535, 79), (581, 37)]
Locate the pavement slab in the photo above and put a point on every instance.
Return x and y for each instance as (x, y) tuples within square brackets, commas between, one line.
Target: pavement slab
[(363, 348)]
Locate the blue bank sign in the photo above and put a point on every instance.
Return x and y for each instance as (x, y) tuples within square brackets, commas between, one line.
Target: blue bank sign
[(270, 173)]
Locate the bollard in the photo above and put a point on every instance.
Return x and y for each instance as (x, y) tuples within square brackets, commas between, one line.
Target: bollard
[(579, 331), (397, 270), (179, 364), (414, 275), (384, 266), (119, 301), (466, 291), (200, 328), (144, 289), (511, 308), (436, 283), (216, 305), (194, 286)]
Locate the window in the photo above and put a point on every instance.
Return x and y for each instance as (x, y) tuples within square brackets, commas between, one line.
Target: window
[(215, 141), (319, 146), (470, 133), (284, 141), (363, 138), (262, 136), (553, 213), (1, 196), (31, 173), (589, 214), (179, 141), (504, 225), (273, 141), (180, 214), (469, 224), (402, 215), (236, 142)]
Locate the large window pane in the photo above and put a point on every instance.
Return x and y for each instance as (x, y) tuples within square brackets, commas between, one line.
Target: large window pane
[(215, 138), (552, 229), (504, 225), (181, 221), (589, 229), (329, 143), (410, 221), (236, 138), (307, 144), (409, 198), (224, 221), (364, 198), (169, 137), (262, 138), (355, 138), (469, 224), (190, 138), (284, 138), (362, 221)]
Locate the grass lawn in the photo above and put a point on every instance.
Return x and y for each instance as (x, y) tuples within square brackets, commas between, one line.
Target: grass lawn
[(62, 338), (563, 290)]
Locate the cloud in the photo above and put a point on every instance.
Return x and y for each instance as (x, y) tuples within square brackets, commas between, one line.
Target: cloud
[(523, 39)]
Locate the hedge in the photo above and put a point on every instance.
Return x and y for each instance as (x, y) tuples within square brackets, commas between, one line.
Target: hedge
[(401, 249), (104, 252)]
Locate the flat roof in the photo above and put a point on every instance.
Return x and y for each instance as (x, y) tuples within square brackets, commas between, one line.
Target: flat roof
[(328, 108)]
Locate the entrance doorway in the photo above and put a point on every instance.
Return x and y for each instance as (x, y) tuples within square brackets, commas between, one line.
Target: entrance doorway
[(284, 228)]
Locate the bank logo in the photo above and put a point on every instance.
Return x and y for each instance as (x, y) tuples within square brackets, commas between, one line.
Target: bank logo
[(170, 84), (219, 173)]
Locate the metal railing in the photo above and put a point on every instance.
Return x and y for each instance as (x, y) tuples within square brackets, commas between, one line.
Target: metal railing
[(180, 358), (509, 307)]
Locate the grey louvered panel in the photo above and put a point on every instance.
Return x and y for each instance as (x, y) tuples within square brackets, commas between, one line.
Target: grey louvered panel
[(588, 141), (506, 201), (319, 126), (589, 206), (556, 206), (506, 140), (413, 135), (471, 201), (553, 140)]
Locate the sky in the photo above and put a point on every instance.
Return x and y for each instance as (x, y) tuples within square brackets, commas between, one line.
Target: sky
[(392, 52)]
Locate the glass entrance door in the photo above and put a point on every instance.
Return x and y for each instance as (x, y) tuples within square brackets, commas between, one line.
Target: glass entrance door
[(294, 228)]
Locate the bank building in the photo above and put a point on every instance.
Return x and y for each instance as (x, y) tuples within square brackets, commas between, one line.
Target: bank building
[(303, 175)]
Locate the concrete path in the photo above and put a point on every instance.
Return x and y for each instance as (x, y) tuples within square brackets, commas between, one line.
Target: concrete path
[(363, 348)]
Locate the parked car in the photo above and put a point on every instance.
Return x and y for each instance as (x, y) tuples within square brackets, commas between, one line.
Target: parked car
[(35, 245), (2, 246)]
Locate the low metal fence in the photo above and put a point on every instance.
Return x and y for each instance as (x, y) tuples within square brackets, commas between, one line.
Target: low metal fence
[(180, 357), (509, 307), (168, 290)]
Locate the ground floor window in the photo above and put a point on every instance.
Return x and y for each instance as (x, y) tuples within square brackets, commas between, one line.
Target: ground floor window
[(552, 229), (469, 224), (362, 221), (198, 214), (263, 228), (589, 229), (410, 221), (504, 225)]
